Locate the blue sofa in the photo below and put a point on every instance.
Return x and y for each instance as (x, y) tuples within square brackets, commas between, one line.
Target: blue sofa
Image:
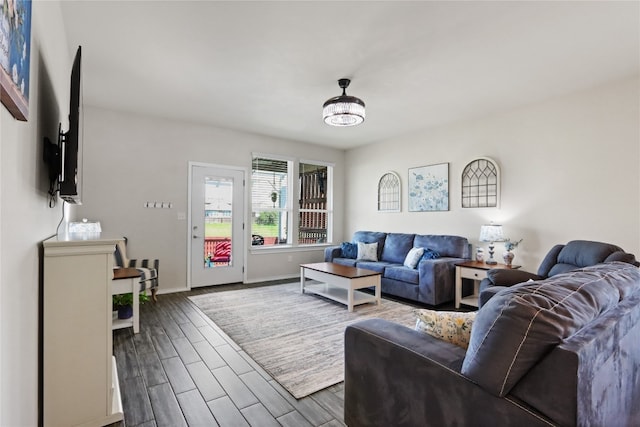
[(431, 282), (558, 351)]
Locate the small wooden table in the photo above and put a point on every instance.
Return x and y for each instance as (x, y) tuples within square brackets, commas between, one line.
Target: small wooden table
[(340, 283), (477, 271), (127, 280)]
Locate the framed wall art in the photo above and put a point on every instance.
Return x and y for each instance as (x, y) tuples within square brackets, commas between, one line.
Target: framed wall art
[(481, 184), (429, 188), (389, 193), (15, 55)]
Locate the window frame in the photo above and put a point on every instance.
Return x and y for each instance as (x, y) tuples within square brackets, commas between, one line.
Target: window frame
[(329, 202), (292, 207), (287, 208)]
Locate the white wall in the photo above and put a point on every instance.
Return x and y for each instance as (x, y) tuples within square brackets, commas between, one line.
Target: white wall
[(570, 170), (25, 218), (130, 159)]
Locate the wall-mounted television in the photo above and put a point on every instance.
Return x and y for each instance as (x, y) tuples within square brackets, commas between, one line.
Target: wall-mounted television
[(65, 158)]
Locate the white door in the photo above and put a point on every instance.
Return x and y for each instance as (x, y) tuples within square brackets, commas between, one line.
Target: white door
[(216, 225)]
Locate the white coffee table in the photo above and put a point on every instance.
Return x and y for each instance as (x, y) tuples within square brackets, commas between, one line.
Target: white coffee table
[(340, 283)]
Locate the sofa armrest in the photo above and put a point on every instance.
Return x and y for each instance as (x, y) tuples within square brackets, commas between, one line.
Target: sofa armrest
[(499, 279), (502, 277), (487, 293), (438, 279), (397, 376), (332, 252)]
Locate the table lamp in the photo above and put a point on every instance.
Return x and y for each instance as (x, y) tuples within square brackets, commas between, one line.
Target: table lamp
[(491, 233)]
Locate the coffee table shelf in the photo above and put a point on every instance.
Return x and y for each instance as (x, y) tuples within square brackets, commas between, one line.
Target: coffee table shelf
[(340, 295), (340, 283)]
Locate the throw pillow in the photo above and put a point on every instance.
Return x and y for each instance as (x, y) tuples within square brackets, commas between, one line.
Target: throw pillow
[(368, 251), (429, 254), (349, 250), (412, 258), (451, 326)]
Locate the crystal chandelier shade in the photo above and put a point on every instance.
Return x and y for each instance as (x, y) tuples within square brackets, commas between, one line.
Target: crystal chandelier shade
[(343, 110)]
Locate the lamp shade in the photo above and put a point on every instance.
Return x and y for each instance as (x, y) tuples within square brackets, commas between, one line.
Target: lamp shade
[(491, 233), (343, 110)]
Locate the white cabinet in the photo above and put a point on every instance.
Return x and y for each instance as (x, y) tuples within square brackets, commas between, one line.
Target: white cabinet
[(79, 378)]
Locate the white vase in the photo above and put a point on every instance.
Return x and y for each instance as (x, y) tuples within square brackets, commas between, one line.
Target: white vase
[(508, 257)]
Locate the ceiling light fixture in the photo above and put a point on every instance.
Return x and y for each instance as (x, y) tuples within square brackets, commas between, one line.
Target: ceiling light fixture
[(343, 110)]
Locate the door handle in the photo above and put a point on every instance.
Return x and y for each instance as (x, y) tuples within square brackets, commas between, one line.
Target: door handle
[(196, 237)]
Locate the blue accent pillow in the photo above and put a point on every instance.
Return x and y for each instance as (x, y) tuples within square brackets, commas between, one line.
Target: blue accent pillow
[(349, 250), (429, 254)]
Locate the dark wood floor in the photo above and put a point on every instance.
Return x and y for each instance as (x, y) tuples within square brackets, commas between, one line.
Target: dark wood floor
[(182, 370)]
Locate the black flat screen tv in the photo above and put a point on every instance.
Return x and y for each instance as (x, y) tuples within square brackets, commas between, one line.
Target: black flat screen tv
[(71, 141)]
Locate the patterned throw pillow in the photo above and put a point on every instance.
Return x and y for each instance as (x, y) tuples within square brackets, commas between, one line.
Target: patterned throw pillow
[(368, 251), (413, 257), (349, 250), (429, 254), (451, 326)]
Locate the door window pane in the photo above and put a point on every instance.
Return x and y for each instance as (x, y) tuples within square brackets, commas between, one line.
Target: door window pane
[(218, 221)]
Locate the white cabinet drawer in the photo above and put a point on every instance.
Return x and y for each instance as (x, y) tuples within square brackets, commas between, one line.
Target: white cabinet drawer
[(472, 273)]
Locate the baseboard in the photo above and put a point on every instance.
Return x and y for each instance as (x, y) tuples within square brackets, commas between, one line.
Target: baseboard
[(162, 290), (272, 278)]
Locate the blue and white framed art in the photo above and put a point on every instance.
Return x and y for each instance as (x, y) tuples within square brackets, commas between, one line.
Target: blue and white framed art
[(429, 188), (15, 55)]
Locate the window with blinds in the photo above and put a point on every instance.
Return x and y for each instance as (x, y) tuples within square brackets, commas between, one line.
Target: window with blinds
[(273, 211), (270, 205)]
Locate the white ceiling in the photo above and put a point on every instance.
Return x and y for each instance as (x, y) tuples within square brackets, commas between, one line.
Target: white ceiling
[(267, 67)]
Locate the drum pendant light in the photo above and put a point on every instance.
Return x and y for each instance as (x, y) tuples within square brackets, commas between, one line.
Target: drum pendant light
[(343, 110)]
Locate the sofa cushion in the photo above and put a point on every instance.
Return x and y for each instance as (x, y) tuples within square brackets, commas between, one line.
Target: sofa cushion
[(403, 274), (371, 237), (520, 324), (396, 247), (623, 257), (379, 266), (581, 253), (450, 326), (413, 257), (368, 251), (349, 250), (446, 246)]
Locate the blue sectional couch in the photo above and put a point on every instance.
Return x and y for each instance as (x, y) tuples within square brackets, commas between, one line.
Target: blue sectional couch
[(560, 351), (431, 282)]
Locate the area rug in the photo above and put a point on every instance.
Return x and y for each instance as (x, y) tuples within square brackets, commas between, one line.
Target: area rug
[(297, 338)]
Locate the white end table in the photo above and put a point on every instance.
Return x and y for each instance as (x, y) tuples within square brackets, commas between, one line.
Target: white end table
[(127, 280), (477, 271)]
